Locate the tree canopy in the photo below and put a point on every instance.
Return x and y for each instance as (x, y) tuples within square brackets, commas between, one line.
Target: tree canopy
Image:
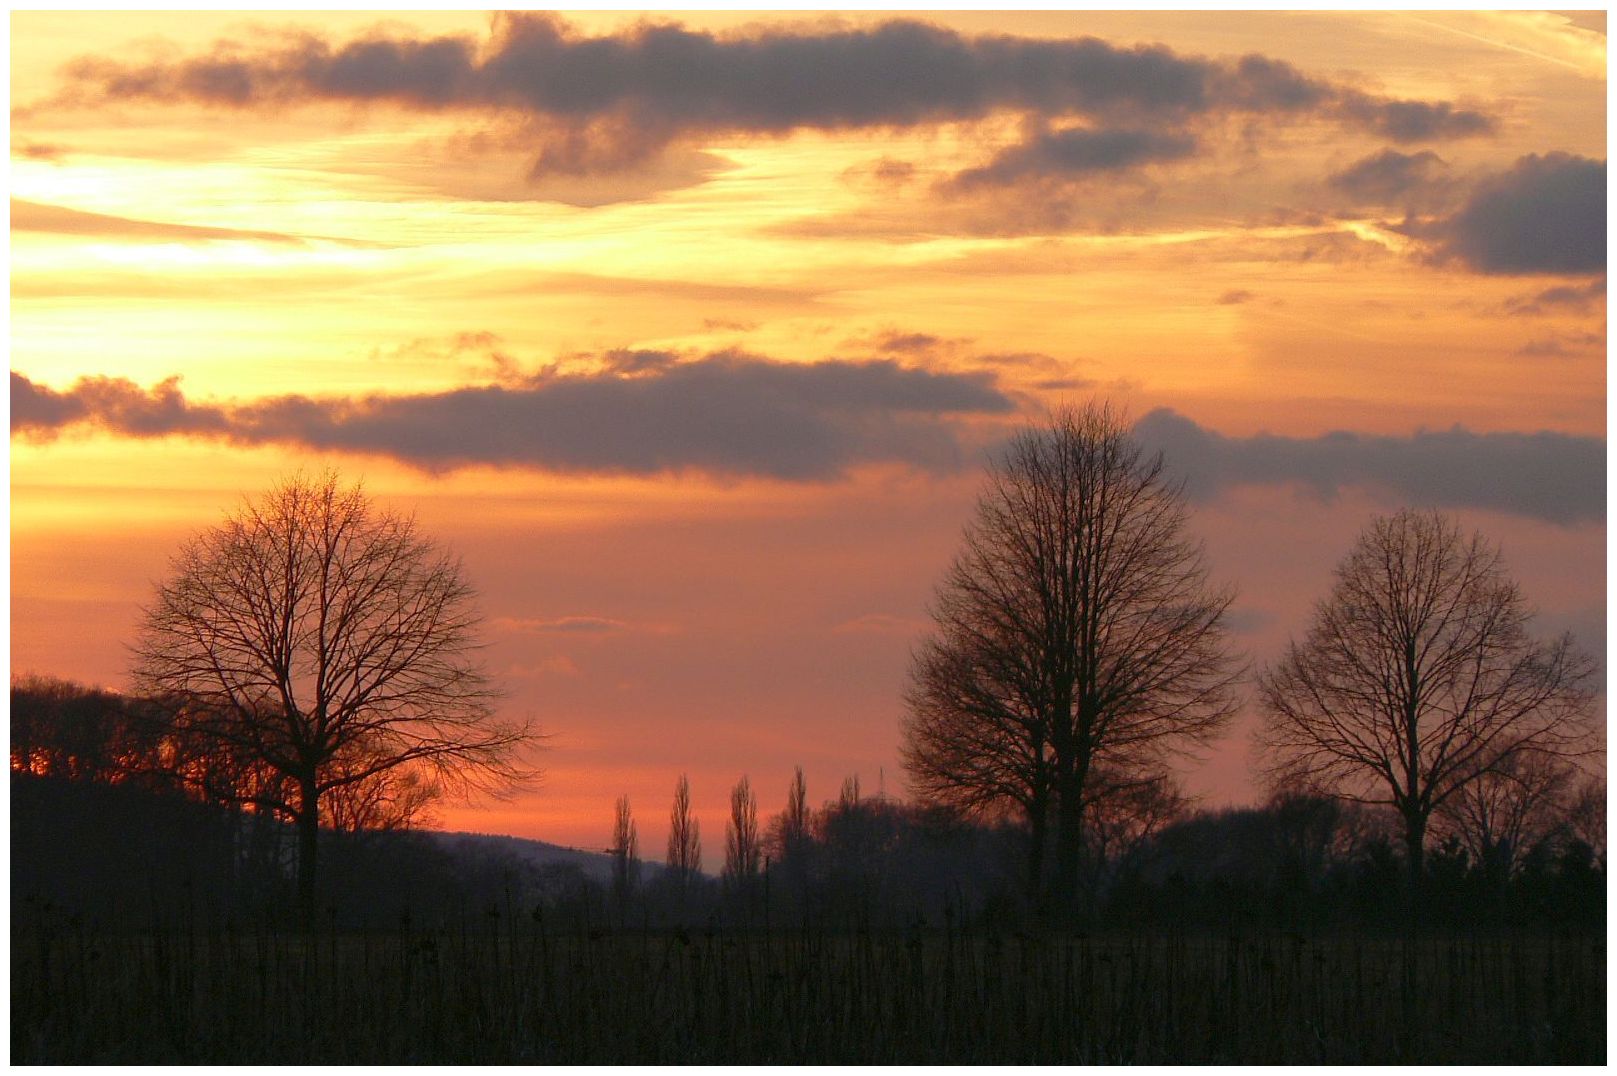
[(312, 642)]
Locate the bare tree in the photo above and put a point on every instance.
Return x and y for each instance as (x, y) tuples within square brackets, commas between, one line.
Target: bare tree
[(625, 853), (1503, 814), (794, 821), (684, 835), (393, 799), (1075, 628), (742, 851), (1126, 810), (1586, 816), (1418, 677), (792, 839), (321, 640)]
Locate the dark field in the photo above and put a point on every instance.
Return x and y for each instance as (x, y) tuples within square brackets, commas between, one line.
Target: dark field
[(528, 995)]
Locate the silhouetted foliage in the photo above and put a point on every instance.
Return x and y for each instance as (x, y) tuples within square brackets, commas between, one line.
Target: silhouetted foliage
[(625, 854), (1418, 678), (62, 729), (1076, 631), (310, 643), (743, 851), (684, 836)]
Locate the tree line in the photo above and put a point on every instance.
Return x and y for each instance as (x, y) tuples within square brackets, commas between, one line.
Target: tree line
[(1079, 648), (311, 662), (124, 848)]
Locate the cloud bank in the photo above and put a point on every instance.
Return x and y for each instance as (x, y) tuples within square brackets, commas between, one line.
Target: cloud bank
[(730, 414), (606, 103), (1549, 476), (647, 412)]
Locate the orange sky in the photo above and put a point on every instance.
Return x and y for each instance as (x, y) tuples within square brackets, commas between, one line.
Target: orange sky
[(690, 342)]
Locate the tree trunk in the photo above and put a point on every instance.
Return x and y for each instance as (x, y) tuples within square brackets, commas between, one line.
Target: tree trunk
[(1038, 816), (1069, 840), (1415, 854), (308, 849)]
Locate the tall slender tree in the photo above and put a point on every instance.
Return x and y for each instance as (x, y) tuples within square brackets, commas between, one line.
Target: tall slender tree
[(743, 853), (684, 836), (625, 853)]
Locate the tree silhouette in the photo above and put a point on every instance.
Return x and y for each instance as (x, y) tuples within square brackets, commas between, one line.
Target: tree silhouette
[(742, 850), (62, 729), (1418, 678), (684, 836), (1076, 628), (625, 854), (1586, 816), (794, 820), (315, 642), (1505, 813)]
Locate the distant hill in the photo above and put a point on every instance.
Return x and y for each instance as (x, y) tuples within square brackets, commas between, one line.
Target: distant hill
[(597, 866)]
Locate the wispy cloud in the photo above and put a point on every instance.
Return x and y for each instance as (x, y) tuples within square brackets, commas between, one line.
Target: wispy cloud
[(564, 625), (39, 217)]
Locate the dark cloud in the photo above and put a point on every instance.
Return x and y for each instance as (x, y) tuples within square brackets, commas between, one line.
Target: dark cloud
[(1413, 121), (1547, 214), (38, 411), (1235, 297), (727, 414), (1549, 476), (1389, 176), (112, 403), (40, 217), (606, 103), (1075, 153)]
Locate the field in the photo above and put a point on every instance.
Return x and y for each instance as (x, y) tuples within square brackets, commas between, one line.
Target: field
[(519, 992)]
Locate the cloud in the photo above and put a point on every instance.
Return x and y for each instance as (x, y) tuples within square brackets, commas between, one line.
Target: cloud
[(1413, 121), (1547, 214), (1076, 153), (613, 102), (566, 625), (895, 341), (113, 403), (40, 217), (1235, 297), (725, 414), (1563, 345), (881, 624), (555, 665), (1390, 176), (1571, 298), (1549, 476), (40, 151)]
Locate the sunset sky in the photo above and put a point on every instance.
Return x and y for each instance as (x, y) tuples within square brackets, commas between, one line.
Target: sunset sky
[(690, 333)]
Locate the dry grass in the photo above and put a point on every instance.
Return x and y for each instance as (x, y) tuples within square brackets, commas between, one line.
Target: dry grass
[(524, 994)]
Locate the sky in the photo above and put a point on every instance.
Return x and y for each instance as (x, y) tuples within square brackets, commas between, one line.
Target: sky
[(691, 333)]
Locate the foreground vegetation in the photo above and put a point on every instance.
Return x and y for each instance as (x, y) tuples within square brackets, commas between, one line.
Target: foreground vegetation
[(516, 990), (151, 926)]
